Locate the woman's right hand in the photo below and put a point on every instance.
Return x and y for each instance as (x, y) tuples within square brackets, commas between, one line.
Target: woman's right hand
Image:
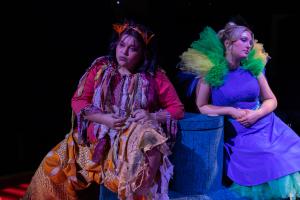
[(108, 119), (237, 113), (113, 121)]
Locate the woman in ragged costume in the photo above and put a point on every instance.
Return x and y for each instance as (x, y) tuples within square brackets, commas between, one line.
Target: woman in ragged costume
[(126, 110), (262, 152)]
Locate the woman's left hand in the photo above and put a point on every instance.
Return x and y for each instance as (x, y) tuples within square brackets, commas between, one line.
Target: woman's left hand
[(250, 118), (140, 115)]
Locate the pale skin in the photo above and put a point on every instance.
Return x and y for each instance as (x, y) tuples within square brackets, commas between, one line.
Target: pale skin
[(128, 54), (235, 52)]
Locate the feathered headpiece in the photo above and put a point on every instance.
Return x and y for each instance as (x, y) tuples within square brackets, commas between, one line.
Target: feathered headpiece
[(206, 58), (120, 28)]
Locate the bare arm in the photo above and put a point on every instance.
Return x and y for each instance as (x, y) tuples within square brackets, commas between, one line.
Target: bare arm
[(267, 96), (202, 97), (269, 103)]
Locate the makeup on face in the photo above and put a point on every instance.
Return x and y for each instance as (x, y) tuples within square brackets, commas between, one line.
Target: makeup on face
[(128, 52)]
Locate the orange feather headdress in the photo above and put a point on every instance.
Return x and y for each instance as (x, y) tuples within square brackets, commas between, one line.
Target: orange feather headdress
[(120, 28)]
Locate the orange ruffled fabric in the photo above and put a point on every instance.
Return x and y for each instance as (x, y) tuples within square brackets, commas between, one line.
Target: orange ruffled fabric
[(68, 167)]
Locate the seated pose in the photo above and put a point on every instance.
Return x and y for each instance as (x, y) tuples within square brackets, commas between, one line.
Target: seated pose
[(126, 110), (262, 152)]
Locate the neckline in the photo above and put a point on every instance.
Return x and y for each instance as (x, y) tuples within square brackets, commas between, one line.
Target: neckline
[(234, 69)]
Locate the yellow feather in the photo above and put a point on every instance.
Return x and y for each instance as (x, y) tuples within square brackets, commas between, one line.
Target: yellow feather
[(196, 62), (260, 52)]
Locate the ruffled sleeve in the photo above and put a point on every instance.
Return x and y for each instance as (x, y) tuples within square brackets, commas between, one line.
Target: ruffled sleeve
[(169, 101), (168, 98), (82, 99)]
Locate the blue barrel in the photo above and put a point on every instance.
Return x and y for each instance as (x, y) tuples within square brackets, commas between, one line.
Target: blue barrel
[(106, 194), (198, 155)]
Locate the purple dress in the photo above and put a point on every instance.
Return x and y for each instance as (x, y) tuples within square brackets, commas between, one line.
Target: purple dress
[(267, 150)]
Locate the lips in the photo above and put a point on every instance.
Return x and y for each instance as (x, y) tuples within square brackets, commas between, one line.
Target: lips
[(122, 58)]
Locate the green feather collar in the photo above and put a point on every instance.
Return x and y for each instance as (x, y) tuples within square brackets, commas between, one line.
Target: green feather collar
[(210, 45)]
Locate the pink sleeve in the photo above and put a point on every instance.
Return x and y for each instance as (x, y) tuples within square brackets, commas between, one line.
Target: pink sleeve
[(85, 91), (168, 98)]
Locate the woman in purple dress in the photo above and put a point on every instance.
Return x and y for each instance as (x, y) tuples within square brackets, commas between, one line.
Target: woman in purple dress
[(262, 152)]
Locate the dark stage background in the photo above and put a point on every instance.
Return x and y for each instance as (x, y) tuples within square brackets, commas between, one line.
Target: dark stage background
[(49, 44)]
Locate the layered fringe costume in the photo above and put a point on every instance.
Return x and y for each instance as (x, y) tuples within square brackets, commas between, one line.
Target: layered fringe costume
[(118, 159), (262, 160)]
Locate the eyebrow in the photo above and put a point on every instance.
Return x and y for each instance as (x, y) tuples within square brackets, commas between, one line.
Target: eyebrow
[(134, 44)]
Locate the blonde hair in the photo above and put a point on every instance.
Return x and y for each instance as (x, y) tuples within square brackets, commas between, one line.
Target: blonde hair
[(232, 32)]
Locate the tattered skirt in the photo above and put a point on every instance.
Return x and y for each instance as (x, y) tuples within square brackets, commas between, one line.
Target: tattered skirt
[(69, 168)]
